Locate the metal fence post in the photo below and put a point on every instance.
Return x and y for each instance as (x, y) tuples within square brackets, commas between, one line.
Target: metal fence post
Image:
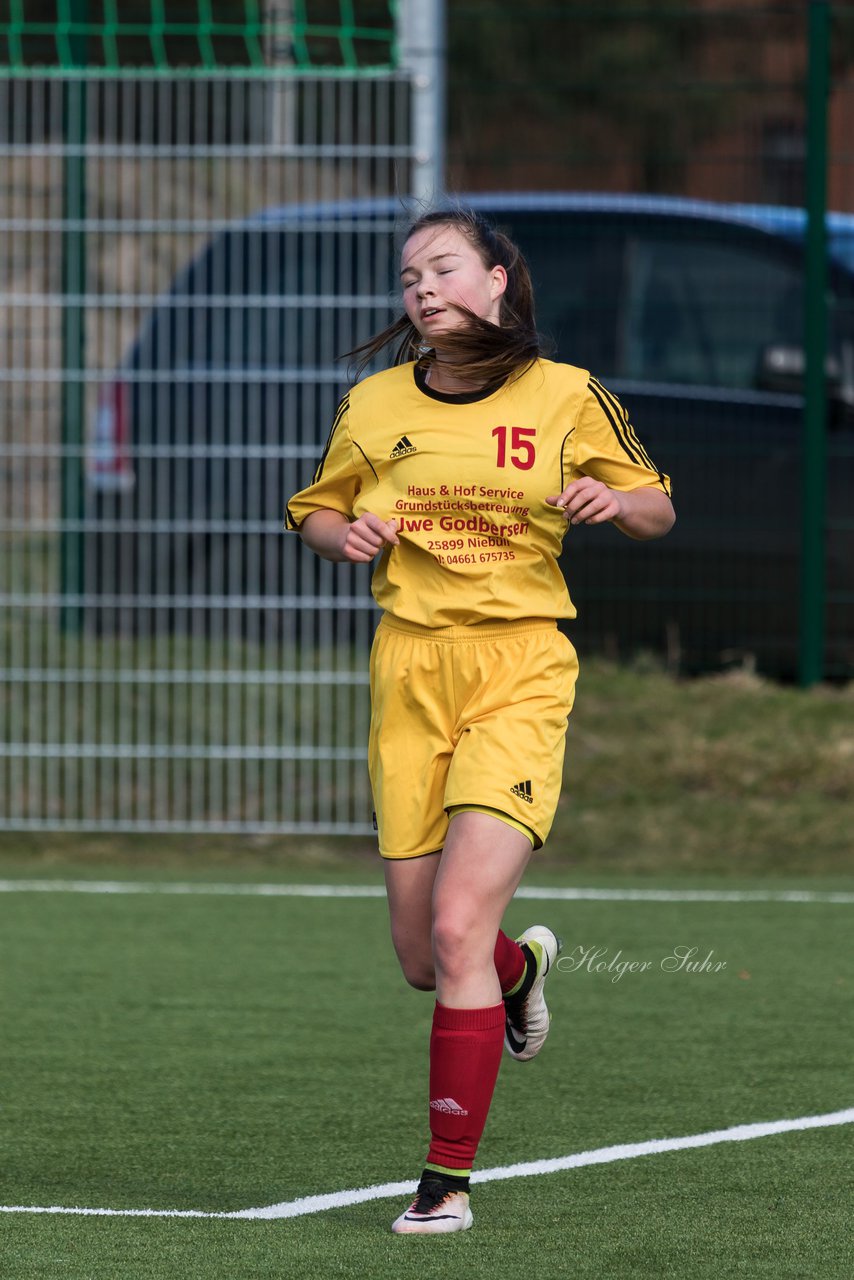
[(421, 43), (814, 490), (74, 314)]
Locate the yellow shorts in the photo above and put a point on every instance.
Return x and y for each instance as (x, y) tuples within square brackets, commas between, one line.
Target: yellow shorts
[(462, 716)]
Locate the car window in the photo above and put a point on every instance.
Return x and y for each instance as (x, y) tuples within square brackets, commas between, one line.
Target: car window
[(575, 265), (275, 298), (702, 312)]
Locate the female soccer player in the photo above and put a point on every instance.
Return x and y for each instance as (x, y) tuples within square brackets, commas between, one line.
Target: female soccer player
[(461, 467)]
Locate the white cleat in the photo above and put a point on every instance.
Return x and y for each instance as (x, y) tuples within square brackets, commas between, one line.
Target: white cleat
[(434, 1211), (526, 1016)]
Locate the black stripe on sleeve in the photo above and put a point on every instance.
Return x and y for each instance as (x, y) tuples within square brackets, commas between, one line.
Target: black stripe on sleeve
[(630, 431), (619, 431), (630, 435), (339, 414), (290, 522)]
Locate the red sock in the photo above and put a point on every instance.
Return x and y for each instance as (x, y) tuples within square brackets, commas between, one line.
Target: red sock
[(509, 962), (465, 1054)]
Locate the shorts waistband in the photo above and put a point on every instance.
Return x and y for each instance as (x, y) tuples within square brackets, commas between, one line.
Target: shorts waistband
[(471, 633)]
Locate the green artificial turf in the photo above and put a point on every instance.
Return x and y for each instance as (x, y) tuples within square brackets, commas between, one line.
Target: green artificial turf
[(220, 1053)]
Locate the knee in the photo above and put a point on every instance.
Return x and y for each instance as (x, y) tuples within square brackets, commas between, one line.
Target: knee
[(452, 943)]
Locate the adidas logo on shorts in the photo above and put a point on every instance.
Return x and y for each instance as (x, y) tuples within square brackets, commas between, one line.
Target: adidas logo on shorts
[(523, 791), (402, 448)]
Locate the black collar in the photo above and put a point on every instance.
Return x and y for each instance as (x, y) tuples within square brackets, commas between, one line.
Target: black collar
[(456, 397)]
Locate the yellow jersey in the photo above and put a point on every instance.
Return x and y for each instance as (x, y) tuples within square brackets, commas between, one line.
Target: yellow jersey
[(466, 478)]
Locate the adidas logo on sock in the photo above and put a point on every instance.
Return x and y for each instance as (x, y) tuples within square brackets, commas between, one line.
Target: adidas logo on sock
[(523, 791), (402, 448), (448, 1107)]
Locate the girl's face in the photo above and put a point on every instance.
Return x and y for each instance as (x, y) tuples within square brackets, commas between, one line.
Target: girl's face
[(441, 272)]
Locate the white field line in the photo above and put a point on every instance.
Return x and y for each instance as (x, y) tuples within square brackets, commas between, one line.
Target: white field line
[(549, 894), (533, 1168)]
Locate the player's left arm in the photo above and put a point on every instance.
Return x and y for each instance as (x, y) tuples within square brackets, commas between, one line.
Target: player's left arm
[(611, 477), (642, 513)]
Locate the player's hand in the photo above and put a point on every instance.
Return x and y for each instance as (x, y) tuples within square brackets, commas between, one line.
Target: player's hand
[(366, 537), (588, 501)]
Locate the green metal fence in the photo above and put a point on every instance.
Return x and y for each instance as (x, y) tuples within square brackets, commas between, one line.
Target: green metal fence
[(198, 38), (174, 309), (198, 205)]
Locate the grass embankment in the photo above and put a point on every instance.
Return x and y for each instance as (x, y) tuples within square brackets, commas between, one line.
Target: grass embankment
[(725, 774), (722, 774)]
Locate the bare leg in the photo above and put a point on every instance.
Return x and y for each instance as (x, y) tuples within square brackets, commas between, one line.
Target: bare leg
[(480, 869), (409, 886)]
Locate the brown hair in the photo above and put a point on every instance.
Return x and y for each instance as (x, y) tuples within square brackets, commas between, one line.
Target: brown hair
[(484, 353)]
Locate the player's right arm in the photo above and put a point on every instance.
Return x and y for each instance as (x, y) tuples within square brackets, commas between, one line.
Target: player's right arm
[(322, 514), (332, 536)]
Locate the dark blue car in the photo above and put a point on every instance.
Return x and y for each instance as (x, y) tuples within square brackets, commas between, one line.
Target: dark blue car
[(691, 312)]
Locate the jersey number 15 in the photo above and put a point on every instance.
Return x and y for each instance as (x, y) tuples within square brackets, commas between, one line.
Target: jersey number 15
[(522, 453)]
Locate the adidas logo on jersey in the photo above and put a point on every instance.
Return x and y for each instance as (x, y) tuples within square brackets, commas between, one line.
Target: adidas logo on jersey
[(402, 448), (523, 791), (448, 1107)]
